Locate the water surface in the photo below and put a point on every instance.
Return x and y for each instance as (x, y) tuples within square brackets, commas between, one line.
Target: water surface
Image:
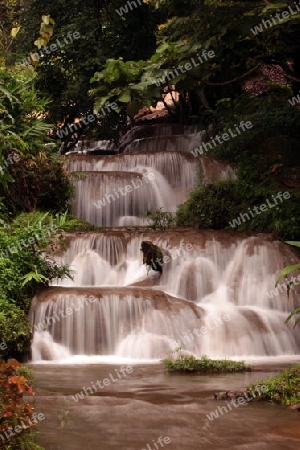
[(136, 409)]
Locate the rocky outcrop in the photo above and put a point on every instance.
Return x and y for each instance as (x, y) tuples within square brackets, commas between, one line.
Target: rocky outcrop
[(152, 256)]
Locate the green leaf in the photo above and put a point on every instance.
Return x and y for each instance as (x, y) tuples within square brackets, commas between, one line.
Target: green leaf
[(293, 313), (275, 6), (295, 243), (125, 97), (286, 271), (162, 47), (33, 276)]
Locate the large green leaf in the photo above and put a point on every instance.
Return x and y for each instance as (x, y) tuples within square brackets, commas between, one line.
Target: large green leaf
[(286, 271), (295, 243), (293, 313)]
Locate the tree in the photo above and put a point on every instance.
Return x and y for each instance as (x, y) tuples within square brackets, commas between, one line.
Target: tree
[(226, 28), (64, 75)]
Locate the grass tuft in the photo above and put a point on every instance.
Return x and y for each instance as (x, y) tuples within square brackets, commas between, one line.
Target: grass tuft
[(283, 388), (188, 363)]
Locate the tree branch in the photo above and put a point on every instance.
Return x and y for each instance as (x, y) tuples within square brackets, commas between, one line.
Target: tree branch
[(224, 83)]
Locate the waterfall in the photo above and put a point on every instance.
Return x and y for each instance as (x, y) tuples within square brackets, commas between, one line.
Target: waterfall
[(210, 275), (216, 295)]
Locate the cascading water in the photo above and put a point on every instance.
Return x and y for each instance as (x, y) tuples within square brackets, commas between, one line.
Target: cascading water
[(215, 297), (107, 192)]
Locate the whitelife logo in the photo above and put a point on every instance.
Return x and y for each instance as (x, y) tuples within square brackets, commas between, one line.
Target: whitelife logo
[(35, 56), (106, 381), (217, 140), (195, 62), (124, 9), (294, 100), (279, 17), (12, 431), (240, 400), (217, 321), (85, 121), (67, 312), (128, 188), (284, 286), (160, 441), (263, 207)]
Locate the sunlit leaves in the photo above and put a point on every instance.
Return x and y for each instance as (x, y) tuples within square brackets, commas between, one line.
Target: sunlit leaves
[(46, 31), (15, 31)]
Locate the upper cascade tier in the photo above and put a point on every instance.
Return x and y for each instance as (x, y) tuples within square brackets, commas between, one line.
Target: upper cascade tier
[(119, 190)]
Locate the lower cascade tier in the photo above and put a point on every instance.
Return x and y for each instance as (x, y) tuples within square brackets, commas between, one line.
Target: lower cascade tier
[(149, 324)]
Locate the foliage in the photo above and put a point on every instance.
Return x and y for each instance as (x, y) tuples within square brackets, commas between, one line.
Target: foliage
[(190, 27), (26, 266), (40, 182), (73, 224), (65, 74), (215, 205), (63, 221), (30, 177), (283, 274), (10, 14), (22, 251), (188, 363), (15, 330), (209, 206), (160, 220), (14, 410), (284, 388), (21, 110), (133, 84), (266, 159)]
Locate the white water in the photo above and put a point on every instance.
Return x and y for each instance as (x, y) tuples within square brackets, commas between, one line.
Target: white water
[(146, 323), (210, 275), (105, 178)]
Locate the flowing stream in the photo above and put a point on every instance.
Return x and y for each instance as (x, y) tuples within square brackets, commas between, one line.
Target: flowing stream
[(215, 297)]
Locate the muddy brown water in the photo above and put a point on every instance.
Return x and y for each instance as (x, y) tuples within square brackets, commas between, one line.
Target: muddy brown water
[(133, 411)]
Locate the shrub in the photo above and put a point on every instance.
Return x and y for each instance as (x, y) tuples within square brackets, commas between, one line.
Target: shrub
[(284, 388), (209, 206), (40, 182), (14, 411), (188, 363), (160, 220), (25, 268), (15, 330)]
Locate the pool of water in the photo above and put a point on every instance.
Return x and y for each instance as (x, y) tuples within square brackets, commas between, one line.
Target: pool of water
[(135, 407)]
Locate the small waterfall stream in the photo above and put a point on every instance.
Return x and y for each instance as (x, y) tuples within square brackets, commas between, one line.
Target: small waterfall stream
[(216, 294)]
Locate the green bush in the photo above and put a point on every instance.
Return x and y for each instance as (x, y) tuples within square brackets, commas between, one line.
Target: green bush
[(215, 205), (24, 270), (30, 176), (160, 220), (284, 388), (40, 182), (15, 330), (267, 158), (188, 363), (209, 206)]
